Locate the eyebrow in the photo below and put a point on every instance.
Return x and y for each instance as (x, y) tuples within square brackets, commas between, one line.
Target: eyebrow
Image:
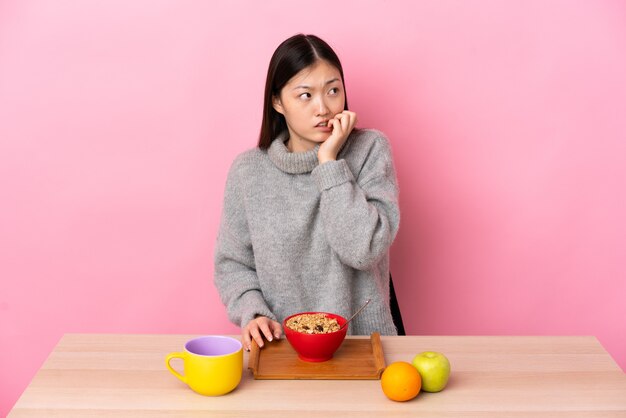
[(304, 86)]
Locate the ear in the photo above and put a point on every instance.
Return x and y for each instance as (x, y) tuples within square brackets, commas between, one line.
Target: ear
[(277, 104)]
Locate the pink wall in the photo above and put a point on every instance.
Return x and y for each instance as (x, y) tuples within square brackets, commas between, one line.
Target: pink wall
[(118, 121)]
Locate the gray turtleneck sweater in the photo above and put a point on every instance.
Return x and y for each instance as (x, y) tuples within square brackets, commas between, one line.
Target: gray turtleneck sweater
[(299, 236)]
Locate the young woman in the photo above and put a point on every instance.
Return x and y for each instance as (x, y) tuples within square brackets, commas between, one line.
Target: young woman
[(309, 215)]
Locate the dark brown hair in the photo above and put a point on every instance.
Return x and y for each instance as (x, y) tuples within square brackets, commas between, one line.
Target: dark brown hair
[(292, 56)]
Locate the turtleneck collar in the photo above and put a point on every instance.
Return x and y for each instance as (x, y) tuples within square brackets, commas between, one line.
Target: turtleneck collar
[(292, 162)]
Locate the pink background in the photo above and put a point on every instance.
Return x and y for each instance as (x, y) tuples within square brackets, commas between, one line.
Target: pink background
[(119, 120)]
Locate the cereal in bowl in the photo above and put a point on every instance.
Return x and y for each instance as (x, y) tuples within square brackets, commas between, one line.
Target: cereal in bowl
[(317, 323)]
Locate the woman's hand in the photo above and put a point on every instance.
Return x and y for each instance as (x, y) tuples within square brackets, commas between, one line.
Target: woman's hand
[(260, 327), (342, 125)]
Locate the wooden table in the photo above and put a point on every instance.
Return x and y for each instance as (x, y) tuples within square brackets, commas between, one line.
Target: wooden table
[(125, 376)]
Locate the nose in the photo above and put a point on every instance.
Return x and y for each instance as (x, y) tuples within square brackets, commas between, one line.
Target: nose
[(322, 108)]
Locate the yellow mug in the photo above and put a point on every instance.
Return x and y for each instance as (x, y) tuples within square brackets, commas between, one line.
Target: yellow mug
[(213, 364)]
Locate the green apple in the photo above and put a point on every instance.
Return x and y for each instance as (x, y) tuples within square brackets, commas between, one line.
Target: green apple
[(434, 368)]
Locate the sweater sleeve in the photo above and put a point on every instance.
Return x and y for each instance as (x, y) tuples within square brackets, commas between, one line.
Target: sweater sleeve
[(235, 271), (360, 216)]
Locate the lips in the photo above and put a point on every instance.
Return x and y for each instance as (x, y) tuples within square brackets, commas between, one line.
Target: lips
[(322, 124)]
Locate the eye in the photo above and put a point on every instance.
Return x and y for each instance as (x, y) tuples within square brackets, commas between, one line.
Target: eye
[(334, 91), (305, 96)]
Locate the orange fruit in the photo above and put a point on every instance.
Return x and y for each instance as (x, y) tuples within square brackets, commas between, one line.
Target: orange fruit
[(401, 381)]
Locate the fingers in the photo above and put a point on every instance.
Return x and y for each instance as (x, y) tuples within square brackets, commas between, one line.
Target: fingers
[(265, 328), (257, 329), (352, 120), (345, 121), (251, 331), (342, 124), (335, 125), (348, 120), (254, 332), (245, 336), (276, 329)]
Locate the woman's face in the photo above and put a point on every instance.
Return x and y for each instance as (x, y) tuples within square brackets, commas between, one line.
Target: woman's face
[(308, 101)]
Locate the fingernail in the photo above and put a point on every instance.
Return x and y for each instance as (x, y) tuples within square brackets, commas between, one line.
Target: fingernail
[(270, 340)]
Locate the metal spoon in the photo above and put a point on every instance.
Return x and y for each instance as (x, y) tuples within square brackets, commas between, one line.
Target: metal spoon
[(355, 314)]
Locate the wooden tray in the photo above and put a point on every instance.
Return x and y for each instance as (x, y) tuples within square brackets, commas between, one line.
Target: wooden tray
[(357, 358)]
